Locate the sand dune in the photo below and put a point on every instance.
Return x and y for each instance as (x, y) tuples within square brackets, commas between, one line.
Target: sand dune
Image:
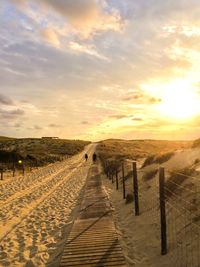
[(35, 210)]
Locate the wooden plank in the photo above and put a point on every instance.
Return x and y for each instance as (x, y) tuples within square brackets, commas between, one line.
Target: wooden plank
[(93, 240)]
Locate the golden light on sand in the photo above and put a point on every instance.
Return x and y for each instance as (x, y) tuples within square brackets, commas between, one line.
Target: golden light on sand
[(180, 101)]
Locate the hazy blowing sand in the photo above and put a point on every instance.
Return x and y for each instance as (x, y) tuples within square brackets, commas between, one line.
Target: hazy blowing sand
[(35, 210)]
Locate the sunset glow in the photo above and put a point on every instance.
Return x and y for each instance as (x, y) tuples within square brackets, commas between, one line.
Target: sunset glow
[(99, 69), (180, 104)]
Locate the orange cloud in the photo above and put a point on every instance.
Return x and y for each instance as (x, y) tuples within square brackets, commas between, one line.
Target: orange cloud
[(85, 17), (51, 36)]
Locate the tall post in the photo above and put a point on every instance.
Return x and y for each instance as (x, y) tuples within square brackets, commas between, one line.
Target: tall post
[(106, 168), (163, 225), (1, 174), (13, 168), (135, 189), (117, 181), (23, 169), (123, 181)]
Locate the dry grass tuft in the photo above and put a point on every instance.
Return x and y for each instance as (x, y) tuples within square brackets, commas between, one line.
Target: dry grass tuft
[(37, 152), (149, 175), (175, 183), (129, 198), (157, 159)]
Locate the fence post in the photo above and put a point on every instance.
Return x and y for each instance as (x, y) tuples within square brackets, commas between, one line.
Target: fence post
[(135, 188), (2, 174), (117, 182), (112, 177), (13, 168), (162, 211), (123, 181), (23, 170), (106, 168)]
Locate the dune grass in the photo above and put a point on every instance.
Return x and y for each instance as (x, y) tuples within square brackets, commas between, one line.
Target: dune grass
[(36, 151), (175, 182), (147, 176), (116, 150), (157, 159)]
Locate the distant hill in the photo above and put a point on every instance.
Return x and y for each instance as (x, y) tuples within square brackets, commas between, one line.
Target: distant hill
[(132, 149), (3, 138), (38, 151), (196, 143)]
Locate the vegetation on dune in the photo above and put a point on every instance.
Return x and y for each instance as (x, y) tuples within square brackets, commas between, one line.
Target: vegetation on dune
[(157, 159), (176, 180), (149, 175), (113, 151), (36, 151), (196, 143)]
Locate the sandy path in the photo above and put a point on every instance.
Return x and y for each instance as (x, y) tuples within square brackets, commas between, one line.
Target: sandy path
[(34, 216)]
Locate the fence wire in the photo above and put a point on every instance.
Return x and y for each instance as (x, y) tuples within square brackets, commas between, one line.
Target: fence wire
[(182, 202), (183, 220)]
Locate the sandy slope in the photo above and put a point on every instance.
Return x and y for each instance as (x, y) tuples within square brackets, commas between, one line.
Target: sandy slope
[(140, 236), (35, 210)]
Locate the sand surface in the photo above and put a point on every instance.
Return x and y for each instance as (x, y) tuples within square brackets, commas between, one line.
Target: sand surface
[(140, 235), (35, 212)]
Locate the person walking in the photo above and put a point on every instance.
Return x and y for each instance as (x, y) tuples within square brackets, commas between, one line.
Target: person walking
[(94, 157), (86, 157)]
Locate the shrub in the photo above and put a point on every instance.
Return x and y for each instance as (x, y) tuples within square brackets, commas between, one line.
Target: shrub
[(177, 178), (196, 143), (149, 175), (129, 198), (157, 159), (163, 158), (148, 161), (196, 161)]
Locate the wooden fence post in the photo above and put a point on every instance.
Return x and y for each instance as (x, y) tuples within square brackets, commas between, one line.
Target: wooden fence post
[(112, 177), (162, 211), (13, 168), (23, 170), (106, 168), (117, 182), (135, 188), (123, 181), (2, 174)]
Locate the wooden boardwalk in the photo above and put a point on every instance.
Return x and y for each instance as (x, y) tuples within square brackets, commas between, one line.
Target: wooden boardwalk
[(93, 241)]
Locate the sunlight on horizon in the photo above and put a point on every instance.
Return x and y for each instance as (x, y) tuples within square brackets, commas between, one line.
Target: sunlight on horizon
[(179, 99), (180, 103)]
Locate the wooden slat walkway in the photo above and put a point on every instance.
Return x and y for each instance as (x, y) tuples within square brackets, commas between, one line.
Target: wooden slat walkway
[(93, 241)]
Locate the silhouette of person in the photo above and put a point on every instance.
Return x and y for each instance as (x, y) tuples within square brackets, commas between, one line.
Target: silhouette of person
[(86, 157), (94, 157)]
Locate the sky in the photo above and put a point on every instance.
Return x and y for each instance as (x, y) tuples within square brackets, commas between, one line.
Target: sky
[(98, 69)]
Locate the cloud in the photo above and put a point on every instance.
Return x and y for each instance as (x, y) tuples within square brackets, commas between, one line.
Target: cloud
[(84, 122), (119, 116), (17, 125), (37, 127), (5, 100), (137, 119), (133, 96), (11, 114), (154, 100), (87, 49), (141, 98), (85, 17), (51, 36), (52, 125)]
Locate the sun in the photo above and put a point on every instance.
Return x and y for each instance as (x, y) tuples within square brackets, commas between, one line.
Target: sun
[(179, 101)]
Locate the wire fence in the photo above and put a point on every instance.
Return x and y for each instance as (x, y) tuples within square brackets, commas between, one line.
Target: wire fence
[(171, 200)]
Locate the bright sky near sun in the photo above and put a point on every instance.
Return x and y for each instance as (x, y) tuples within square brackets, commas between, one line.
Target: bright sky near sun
[(97, 69)]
